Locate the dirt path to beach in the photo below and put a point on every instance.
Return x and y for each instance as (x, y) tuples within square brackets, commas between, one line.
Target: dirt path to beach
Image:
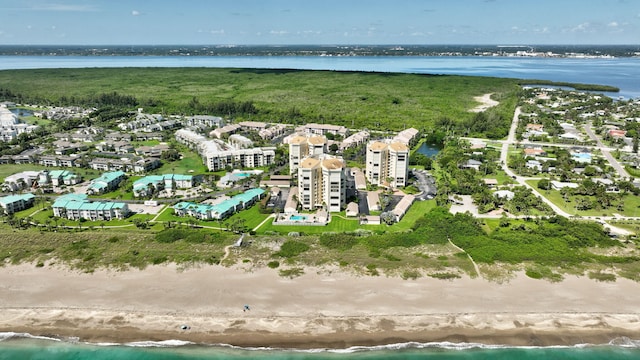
[(485, 103)]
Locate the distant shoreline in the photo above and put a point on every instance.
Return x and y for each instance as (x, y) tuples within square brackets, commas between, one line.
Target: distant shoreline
[(524, 50), (324, 308)]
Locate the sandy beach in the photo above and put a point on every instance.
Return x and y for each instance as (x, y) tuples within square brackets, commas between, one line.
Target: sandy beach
[(322, 308)]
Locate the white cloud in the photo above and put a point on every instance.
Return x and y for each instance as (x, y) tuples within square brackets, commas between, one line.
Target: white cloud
[(544, 30), (53, 27), (64, 7), (217, 32), (135, 12), (613, 24), (278, 32), (584, 27)]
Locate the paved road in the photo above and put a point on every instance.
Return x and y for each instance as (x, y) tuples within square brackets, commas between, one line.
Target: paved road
[(511, 139), (522, 181), (607, 153), (426, 184)]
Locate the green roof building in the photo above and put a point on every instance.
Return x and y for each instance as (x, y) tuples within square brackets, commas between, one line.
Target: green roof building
[(221, 210), (14, 203)]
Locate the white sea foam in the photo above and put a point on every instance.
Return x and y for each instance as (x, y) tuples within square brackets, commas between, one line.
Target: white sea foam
[(163, 343), (15, 335), (623, 342)]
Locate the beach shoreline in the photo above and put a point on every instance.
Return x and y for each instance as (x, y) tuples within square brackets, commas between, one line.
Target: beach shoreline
[(324, 308)]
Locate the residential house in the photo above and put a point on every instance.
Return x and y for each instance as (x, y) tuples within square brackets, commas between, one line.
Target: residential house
[(558, 185), (534, 151), (352, 209)]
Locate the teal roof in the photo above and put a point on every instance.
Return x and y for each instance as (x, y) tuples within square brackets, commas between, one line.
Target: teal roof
[(104, 179), (13, 198), (65, 200), (110, 176), (222, 207), (60, 173), (249, 194), (156, 179), (97, 206), (73, 197), (80, 202)]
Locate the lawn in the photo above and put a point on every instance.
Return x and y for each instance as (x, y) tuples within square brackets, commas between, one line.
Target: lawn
[(630, 201), (190, 164), (340, 223), (252, 217)]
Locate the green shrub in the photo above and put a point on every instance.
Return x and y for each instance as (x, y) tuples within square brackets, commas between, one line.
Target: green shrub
[(372, 270), (291, 273), (600, 276), (534, 274), (445, 276), (171, 235), (410, 274), (340, 242), (391, 257), (273, 264), (292, 248)]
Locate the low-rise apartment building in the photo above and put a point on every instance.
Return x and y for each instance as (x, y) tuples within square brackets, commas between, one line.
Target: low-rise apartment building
[(14, 203), (77, 206)]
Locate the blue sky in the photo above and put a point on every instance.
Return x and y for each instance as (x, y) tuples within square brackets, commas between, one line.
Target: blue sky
[(254, 22)]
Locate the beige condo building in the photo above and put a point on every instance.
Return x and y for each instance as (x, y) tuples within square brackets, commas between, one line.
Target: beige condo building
[(301, 147), (387, 163), (321, 182)]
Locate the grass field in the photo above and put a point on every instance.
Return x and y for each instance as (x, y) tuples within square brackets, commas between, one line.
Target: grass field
[(377, 101), (631, 204)]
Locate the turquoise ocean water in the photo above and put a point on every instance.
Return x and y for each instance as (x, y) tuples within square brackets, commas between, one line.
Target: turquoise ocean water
[(14, 347)]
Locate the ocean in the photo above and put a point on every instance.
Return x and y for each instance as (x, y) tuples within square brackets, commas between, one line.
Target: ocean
[(620, 72), (16, 346)]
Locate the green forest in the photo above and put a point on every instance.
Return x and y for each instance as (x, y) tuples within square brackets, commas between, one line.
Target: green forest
[(375, 101)]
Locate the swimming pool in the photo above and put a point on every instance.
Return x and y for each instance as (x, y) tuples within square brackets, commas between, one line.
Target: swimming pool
[(242, 175), (298, 218)]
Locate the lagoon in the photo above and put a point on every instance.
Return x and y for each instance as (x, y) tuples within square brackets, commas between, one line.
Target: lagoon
[(620, 72)]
